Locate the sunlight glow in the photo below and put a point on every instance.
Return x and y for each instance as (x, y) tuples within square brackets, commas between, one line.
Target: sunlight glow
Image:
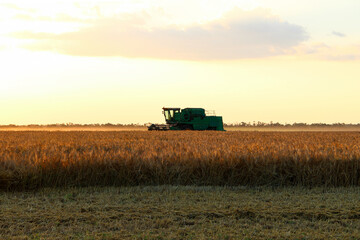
[(120, 62)]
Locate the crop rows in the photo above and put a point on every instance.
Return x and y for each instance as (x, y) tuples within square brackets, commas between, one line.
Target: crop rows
[(29, 160)]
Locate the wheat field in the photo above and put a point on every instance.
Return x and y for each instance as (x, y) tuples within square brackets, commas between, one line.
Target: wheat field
[(31, 160)]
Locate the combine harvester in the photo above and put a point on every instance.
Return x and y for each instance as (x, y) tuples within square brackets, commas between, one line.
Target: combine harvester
[(189, 119)]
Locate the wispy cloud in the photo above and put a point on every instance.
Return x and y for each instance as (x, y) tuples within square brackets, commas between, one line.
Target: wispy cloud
[(338, 34), (344, 57), (343, 53), (238, 34), (16, 7), (329, 52), (58, 18)]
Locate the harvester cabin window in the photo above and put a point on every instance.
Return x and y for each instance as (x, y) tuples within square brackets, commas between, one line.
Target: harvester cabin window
[(169, 114)]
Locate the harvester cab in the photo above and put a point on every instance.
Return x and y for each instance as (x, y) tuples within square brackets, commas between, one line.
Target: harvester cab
[(188, 119), (170, 114)]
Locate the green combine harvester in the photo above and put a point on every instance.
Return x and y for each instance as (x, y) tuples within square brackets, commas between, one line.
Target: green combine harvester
[(188, 119)]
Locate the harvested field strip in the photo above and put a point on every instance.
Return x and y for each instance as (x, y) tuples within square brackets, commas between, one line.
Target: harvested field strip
[(169, 212), (29, 160)]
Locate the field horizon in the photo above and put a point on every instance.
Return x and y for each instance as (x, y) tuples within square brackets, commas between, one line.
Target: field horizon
[(139, 127)]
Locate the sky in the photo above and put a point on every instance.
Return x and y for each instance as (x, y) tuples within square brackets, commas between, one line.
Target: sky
[(122, 61)]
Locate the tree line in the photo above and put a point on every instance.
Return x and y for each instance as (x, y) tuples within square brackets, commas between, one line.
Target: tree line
[(241, 124)]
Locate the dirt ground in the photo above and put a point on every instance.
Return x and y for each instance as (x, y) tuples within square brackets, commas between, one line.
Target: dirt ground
[(171, 212)]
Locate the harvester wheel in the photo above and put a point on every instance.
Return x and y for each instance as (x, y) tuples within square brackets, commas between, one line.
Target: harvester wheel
[(188, 127)]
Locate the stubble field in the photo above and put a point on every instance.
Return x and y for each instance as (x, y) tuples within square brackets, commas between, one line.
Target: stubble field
[(181, 212)]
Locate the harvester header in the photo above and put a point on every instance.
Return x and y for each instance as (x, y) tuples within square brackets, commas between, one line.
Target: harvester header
[(188, 119)]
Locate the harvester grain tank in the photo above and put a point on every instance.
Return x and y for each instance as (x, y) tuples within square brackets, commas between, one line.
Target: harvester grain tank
[(189, 119)]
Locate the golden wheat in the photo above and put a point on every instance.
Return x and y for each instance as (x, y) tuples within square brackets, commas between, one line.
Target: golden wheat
[(30, 160)]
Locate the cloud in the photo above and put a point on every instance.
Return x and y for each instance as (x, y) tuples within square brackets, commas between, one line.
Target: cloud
[(342, 53), (338, 34), (344, 57), (57, 18), (329, 52), (238, 34), (16, 7)]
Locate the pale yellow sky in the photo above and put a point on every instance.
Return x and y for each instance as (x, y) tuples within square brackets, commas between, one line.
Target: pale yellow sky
[(121, 62)]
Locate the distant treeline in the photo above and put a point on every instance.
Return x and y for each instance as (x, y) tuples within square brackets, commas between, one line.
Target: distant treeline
[(241, 124), (73, 125), (297, 125)]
